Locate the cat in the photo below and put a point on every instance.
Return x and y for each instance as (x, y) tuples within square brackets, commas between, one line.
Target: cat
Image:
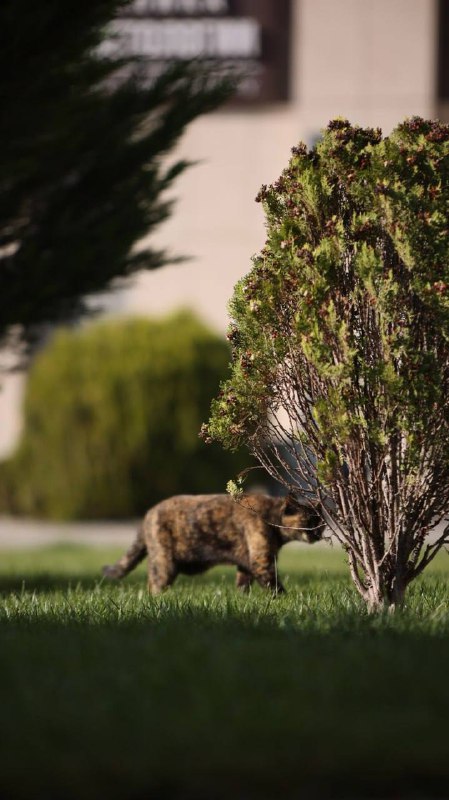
[(190, 533)]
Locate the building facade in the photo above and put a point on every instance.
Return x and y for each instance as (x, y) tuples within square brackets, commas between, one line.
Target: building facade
[(374, 62)]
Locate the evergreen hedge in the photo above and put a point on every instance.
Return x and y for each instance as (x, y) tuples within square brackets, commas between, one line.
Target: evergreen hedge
[(111, 421)]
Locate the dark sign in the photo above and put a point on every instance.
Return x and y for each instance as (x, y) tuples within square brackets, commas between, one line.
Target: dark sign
[(250, 36)]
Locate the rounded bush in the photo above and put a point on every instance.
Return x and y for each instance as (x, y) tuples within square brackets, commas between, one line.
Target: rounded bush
[(112, 415)]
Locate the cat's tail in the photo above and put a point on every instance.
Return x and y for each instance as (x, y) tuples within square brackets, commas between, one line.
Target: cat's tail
[(127, 562)]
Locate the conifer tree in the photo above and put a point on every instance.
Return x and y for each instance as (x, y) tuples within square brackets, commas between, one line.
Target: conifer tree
[(340, 336), (82, 173)]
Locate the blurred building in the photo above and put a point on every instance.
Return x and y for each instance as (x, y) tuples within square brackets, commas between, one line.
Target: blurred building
[(373, 62), (306, 61)]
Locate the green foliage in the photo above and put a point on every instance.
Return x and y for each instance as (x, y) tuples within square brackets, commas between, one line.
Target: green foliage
[(83, 174), (112, 415), (343, 325), (356, 228)]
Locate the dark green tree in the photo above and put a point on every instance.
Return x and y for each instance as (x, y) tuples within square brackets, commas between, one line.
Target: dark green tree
[(340, 334), (82, 173)]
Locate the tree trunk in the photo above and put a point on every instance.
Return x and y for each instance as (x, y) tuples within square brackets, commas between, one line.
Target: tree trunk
[(386, 595)]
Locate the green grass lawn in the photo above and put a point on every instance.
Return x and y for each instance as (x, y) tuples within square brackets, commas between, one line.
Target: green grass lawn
[(203, 693)]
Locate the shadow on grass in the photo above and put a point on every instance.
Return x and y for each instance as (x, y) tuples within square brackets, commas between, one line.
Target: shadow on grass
[(178, 699)]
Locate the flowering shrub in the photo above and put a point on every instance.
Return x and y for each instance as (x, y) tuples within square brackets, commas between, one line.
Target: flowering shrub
[(340, 345)]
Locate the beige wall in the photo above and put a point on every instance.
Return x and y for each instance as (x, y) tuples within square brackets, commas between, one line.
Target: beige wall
[(369, 60), (216, 220)]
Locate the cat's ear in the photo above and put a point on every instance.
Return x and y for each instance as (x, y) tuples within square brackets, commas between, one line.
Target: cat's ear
[(290, 505)]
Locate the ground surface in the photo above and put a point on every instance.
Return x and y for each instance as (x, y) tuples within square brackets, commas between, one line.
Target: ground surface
[(203, 693)]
